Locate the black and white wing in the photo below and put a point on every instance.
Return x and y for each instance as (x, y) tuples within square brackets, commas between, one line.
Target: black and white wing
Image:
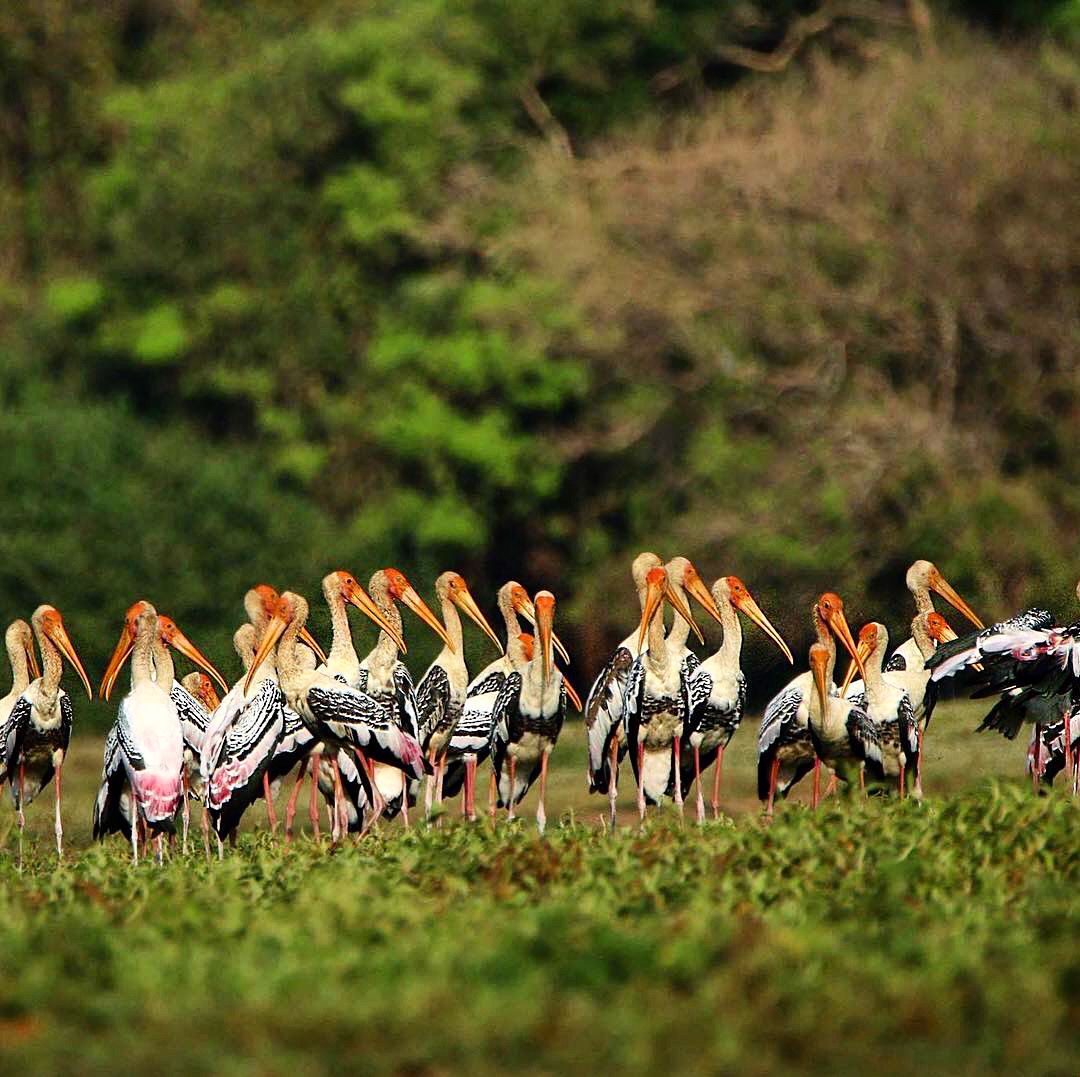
[(11, 734), (432, 702), (632, 707), (896, 663), (603, 716), (909, 730), (781, 713), (405, 698), (112, 806), (865, 736), (368, 726), (697, 688), (131, 753), (1017, 632), (194, 717)]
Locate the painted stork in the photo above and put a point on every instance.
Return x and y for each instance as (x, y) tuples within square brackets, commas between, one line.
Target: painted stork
[(34, 738), (384, 677), (843, 736), (890, 708), (785, 752), (716, 690), (529, 716), (927, 631), (655, 705), (604, 706), (440, 695), (1032, 662), (335, 714), (149, 739)]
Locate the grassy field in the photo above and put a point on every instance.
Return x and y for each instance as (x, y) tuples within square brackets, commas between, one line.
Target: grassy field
[(940, 936)]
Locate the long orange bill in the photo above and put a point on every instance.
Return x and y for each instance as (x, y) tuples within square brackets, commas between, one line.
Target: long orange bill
[(528, 611), (572, 695), (366, 604), (946, 634), (58, 634), (274, 631), (112, 670), (747, 605), (545, 617), (421, 609), (864, 654), (313, 643), (654, 596), (695, 587), (948, 592), (682, 608), (838, 623), (171, 634), (31, 661), (818, 664), (465, 601)]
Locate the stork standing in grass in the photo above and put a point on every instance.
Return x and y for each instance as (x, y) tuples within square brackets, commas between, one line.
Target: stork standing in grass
[(440, 696), (34, 738), (785, 750), (655, 699), (529, 716), (716, 690)]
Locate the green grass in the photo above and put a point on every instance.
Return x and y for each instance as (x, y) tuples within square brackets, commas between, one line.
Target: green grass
[(884, 935)]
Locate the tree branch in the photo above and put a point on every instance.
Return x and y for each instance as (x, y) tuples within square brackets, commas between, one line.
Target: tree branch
[(545, 120)]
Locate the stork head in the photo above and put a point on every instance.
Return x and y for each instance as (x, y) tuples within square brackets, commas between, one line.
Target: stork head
[(938, 628), (202, 688), (19, 639), (50, 624), (682, 573), (398, 588), (171, 636), (925, 576), (830, 609), (342, 586), (452, 586), (123, 646), (733, 590)]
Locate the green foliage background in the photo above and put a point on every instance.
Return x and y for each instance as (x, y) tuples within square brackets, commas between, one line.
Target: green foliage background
[(294, 286)]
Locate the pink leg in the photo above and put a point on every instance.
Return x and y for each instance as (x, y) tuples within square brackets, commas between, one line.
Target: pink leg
[(206, 830), (59, 824), (830, 789), (339, 801), (716, 783), (918, 765), (470, 787), (513, 788), (1068, 746), (22, 793), (290, 807), (493, 795), (697, 779), (640, 781), (541, 817), (186, 812), (313, 802), (269, 797), (678, 776), (429, 784), (816, 796), (774, 774), (613, 781), (901, 777), (1036, 770), (862, 780)]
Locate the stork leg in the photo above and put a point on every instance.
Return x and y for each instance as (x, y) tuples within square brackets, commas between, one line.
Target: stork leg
[(134, 829), (290, 807), (902, 775), (59, 825), (862, 780), (613, 781), (1068, 746), (339, 799), (493, 795), (774, 774), (678, 776), (1036, 770), (465, 792), (816, 795), (440, 776), (159, 849), (512, 803), (22, 793), (697, 779), (541, 816), (918, 767), (313, 802), (268, 796), (716, 783), (429, 785), (220, 846), (640, 781), (185, 814), (378, 802), (830, 789), (472, 767), (405, 801), (206, 830)]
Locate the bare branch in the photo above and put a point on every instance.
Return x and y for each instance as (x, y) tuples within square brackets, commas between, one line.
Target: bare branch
[(545, 119)]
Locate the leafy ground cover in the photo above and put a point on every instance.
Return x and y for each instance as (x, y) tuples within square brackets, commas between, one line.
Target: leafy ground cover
[(896, 936)]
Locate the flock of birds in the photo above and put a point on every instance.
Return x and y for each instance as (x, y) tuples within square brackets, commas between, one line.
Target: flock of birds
[(368, 738)]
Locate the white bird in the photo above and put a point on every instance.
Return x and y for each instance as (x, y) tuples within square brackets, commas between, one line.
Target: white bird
[(440, 695), (148, 734), (529, 716), (34, 738), (716, 690), (785, 751), (604, 726)]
